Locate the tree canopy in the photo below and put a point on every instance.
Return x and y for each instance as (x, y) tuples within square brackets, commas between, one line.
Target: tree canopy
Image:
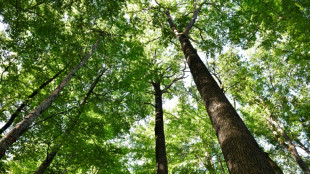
[(78, 85)]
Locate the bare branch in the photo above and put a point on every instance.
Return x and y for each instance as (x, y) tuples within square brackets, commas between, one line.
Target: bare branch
[(192, 22), (152, 40), (200, 33), (173, 81), (149, 104), (158, 3)]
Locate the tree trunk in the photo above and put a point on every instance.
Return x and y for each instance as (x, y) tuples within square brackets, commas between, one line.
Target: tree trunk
[(273, 164), (23, 126), (161, 157), (48, 160), (24, 103), (50, 156), (291, 147), (241, 151)]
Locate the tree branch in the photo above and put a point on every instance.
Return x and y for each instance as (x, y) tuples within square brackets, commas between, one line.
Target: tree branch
[(192, 22), (173, 81), (171, 24)]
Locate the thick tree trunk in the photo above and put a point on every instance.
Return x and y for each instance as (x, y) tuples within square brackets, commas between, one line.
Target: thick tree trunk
[(24, 103), (50, 156), (291, 147), (23, 126), (273, 164), (241, 151), (161, 157)]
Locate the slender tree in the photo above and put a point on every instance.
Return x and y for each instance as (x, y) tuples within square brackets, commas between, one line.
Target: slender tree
[(24, 103), (23, 126), (241, 151), (55, 149), (161, 156), (290, 146)]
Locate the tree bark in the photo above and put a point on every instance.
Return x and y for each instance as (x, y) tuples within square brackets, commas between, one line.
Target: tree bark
[(273, 164), (50, 156), (161, 157), (291, 147), (48, 160), (23, 126), (241, 152), (24, 103)]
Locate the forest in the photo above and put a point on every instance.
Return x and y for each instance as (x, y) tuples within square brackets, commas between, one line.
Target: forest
[(155, 86)]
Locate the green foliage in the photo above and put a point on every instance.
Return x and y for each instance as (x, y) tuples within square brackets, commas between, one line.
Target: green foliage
[(258, 51)]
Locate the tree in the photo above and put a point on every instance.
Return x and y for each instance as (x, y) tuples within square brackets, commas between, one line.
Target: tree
[(256, 53), (24, 103), (23, 126), (161, 157), (267, 97), (54, 150), (238, 145)]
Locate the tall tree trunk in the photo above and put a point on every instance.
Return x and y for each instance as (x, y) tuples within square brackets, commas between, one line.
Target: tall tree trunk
[(241, 152), (24, 103), (23, 126), (291, 147), (50, 155), (161, 157)]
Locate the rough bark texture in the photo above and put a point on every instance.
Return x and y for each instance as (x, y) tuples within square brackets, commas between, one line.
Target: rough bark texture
[(23, 126), (24, 103), (50, 156), (291, 147), (161, 157), (241, 151)]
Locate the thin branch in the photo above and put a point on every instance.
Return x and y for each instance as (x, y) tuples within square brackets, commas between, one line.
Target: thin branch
[(149, 104), (173, 81), (192, 22), (200, 33), (152, 40)]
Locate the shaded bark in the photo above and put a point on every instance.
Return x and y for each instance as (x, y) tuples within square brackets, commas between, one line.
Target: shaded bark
[(24, 103), (290, 146), (23, 126), (161, 157), (241, 152), (48, 160), (273, 164), (50, 155)]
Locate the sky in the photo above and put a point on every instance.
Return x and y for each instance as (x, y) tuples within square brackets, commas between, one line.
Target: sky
[(2, 26)]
